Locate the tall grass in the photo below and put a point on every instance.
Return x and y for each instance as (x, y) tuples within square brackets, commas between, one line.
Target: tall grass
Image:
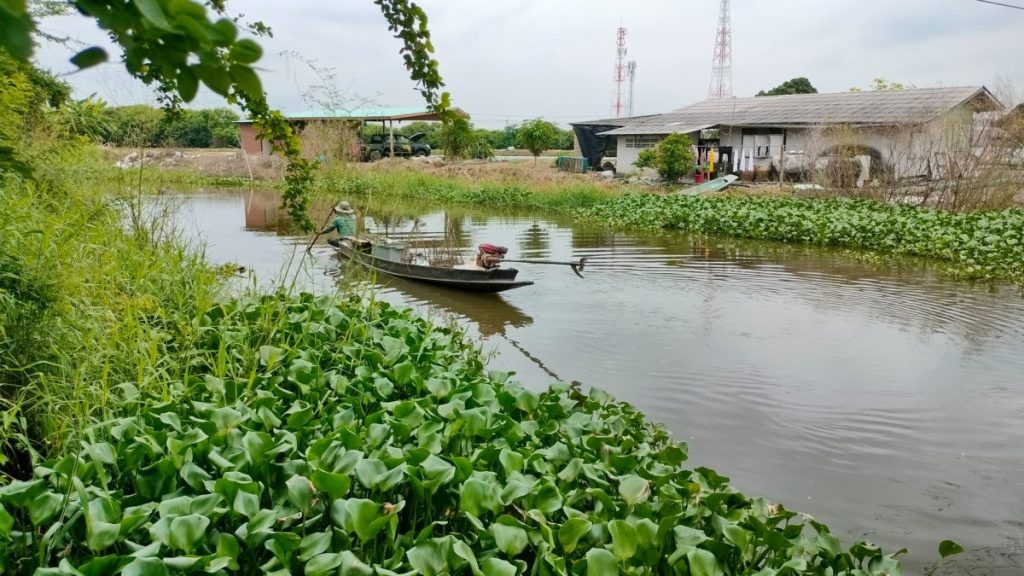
[(92, 306)]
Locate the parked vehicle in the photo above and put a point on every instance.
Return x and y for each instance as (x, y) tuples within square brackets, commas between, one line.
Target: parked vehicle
[(379, 146)]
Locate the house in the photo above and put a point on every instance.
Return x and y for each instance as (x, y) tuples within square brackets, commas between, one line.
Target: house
[(892, 131)]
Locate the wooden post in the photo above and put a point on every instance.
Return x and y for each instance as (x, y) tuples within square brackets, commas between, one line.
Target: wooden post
[(391, 126)]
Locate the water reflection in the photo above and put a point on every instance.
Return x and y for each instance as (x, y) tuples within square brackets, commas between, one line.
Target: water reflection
[(490, 313)]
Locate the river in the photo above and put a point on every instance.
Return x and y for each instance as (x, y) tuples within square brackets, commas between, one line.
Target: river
[(876, 394)]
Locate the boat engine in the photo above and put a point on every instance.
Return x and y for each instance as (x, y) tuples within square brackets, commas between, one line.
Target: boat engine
[(490, 256)]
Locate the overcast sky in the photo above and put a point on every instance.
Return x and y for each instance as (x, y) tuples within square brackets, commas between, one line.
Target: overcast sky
[(505, 61)]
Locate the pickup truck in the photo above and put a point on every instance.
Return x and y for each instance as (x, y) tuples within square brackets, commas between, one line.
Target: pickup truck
[(378, 146)]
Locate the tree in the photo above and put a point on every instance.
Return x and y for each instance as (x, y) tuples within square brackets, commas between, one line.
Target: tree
[(671, 158), (883, 85), (176, 47), (798, 85), (536, 135), (458, 139)]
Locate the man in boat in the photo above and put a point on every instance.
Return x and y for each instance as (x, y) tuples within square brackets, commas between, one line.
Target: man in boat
[(344, 222)]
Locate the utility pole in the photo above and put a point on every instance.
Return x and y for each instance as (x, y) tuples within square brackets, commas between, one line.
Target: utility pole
[(721, 65)]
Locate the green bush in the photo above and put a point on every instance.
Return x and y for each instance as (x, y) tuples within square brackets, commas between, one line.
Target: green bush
[(672, 158), (319, 436)]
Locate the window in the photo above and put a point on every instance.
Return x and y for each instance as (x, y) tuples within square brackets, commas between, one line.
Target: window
[(642, 141)]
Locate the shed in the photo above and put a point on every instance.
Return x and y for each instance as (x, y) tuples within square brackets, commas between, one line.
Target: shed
[(252, 144)]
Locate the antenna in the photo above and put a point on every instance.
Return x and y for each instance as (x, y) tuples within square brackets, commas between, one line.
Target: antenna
[(721, 65), (620, 49), (631, 74)]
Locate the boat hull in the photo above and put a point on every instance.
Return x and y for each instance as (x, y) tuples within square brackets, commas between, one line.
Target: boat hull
[(496, 280)]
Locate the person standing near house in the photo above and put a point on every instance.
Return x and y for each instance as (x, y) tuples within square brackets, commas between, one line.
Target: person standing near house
[(344, 223)]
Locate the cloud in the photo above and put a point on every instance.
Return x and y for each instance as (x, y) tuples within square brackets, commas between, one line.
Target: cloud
[(508, 61)]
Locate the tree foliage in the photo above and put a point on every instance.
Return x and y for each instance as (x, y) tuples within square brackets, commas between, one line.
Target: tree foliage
[(142, 125), (457, 138), (883, 85), (176, 46), (798, 85), (672, 158), (536, 135)]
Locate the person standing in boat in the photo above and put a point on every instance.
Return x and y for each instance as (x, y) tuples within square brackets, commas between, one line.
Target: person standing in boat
[(344, 223)]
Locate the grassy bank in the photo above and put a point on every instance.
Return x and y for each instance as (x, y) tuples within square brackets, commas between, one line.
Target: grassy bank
[(491, 185), (324, 435), (983, 245), (93, 294)]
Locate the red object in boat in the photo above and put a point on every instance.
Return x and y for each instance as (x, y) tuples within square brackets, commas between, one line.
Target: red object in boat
[(488, 248)]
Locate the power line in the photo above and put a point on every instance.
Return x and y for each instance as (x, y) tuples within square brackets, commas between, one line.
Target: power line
[(1001, 4)]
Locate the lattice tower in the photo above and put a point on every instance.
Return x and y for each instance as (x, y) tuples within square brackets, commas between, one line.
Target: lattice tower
[(631, 74), (618, 104), (721, 65)]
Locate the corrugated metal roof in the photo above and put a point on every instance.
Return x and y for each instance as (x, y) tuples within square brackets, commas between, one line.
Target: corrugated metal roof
[(884, 107), (620, 121)]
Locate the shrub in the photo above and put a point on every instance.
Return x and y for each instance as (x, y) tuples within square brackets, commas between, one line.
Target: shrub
[(672, 158)]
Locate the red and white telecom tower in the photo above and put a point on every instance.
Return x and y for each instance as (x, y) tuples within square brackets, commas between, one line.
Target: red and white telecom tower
[(721, 66), (618, 105)]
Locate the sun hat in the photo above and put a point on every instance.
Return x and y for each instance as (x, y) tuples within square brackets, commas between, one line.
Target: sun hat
[(343, 208)]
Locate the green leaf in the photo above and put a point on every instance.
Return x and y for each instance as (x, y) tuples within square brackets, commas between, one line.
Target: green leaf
[(152, 12), (741, 538), (188, 84), (571, 531), (314, 544), (402, 373), (478, 496), (323, 564), (6, 523), (601, 562), (497, 567), (245, 51), (145, 567), (510, 461), (624, 540), (246, 504), (226, 418), (101, 535), (428, 558), (89, 57), (300, 492), (335, 485), (510, 539), (361, 516), (634, 489), (187, 531), (686, 536), (703, 563), (949, 548)]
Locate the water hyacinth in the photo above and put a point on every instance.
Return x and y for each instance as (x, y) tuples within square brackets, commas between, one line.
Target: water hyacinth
[(985, 245), (316, 436)]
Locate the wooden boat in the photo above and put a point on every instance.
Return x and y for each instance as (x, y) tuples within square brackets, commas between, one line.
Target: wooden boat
[(390, 262)]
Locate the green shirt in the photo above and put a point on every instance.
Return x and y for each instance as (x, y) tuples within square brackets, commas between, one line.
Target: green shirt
[(345, 224)]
